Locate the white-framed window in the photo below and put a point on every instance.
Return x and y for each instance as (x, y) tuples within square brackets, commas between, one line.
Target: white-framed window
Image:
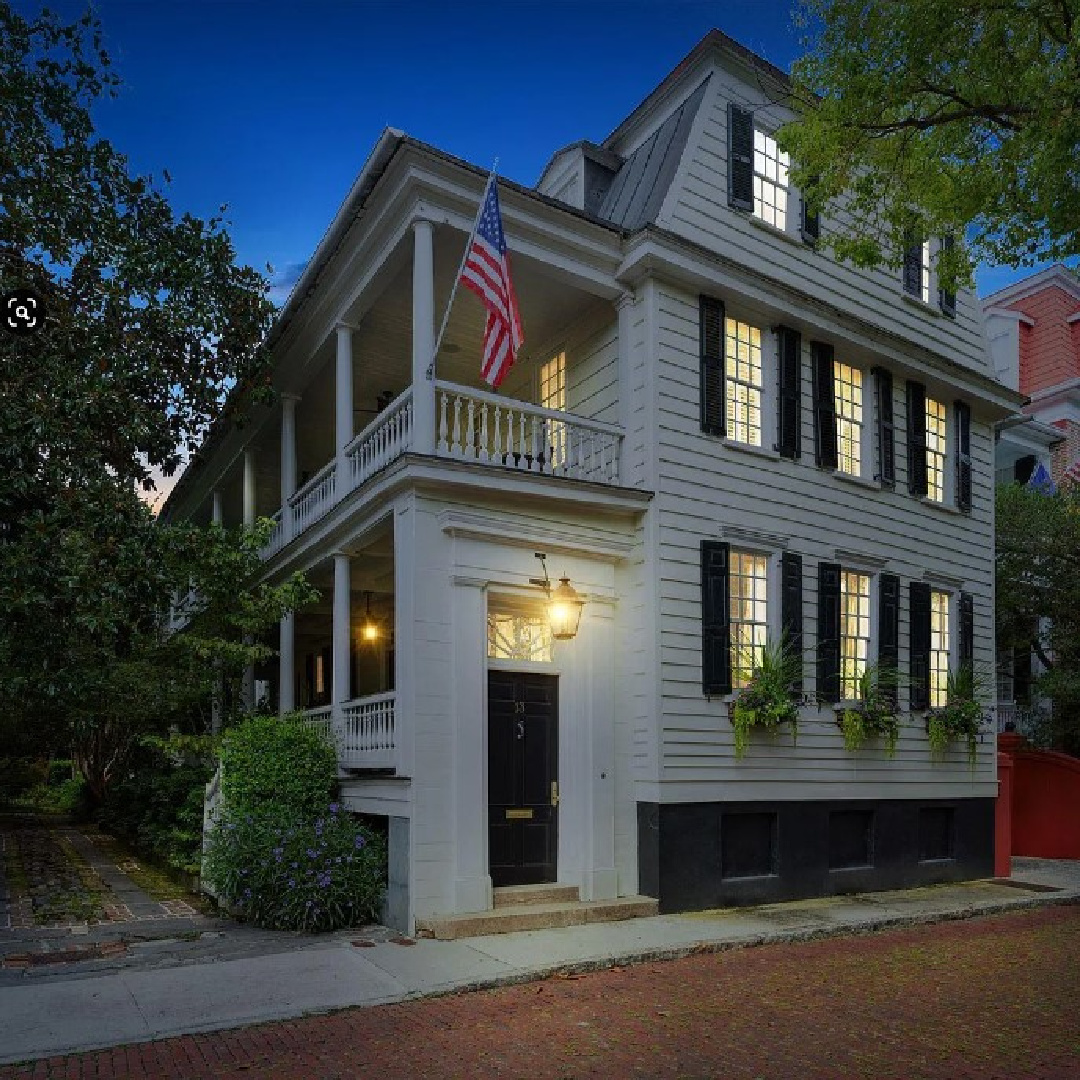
[(770, 180), (743, 381), (848, 397), (940, 638), (748, 581), (553, 396), (937, 449), (518, 636), (854, 631)]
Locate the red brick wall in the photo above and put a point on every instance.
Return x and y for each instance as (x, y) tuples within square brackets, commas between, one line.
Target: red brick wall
[(1049, 350), (1067, 451)]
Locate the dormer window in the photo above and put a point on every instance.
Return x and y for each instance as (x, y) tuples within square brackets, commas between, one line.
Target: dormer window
[(770, 181)]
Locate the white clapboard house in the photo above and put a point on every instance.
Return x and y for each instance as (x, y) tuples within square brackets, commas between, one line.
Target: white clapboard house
[(716, 433)]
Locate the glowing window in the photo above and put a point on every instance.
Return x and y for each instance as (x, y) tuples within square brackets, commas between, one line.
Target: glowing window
[(854, 631), (748, 578), (939, 648), (518, 637), (770, 181), (553, 396), (742, 386), (936, 449), (848, 394)]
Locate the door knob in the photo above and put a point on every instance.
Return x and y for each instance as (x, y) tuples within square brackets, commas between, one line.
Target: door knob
[(554, 792)]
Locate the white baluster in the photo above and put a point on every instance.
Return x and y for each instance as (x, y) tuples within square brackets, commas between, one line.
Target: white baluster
[(519, 450), (484, 455), (470, 430), (497, 448), (534, 444), (455, 445), (443, 447)]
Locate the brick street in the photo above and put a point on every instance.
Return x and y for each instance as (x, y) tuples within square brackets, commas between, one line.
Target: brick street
[(986, 998)]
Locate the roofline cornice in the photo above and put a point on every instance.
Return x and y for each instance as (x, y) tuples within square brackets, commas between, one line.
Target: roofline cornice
[(1057, 275)]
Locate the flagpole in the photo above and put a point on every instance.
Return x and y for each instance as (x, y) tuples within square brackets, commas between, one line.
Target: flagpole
[(457, 278)]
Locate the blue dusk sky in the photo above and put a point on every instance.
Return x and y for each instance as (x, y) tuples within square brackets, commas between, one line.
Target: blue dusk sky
[(272, 107)]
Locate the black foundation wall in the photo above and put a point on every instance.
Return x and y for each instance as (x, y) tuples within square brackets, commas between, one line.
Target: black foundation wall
[(693, 856)]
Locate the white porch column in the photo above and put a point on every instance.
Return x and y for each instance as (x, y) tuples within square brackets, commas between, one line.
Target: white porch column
[(341, 685), (249, 488), (217, 516), (423, 337), (472, 879), (625, 308), (288, 459), (287, 664), (343, 408)]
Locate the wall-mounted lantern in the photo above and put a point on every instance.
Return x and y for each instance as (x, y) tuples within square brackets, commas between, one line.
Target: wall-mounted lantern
[(564, 603)]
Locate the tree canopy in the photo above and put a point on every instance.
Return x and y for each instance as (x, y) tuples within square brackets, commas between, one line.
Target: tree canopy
[(941, 118), (151, 332), (1038, 594)]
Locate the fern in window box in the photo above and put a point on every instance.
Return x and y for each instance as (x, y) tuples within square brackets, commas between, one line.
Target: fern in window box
[(959, 718), (768, 699), (875, 714)]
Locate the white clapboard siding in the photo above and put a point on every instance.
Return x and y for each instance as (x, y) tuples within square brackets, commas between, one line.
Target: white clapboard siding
[(705, 484), (697, 208)]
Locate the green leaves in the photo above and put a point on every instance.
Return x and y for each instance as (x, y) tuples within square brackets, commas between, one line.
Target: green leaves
[(933, 116)]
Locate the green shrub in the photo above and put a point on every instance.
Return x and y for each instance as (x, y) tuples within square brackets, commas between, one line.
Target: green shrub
[(276, 765), (320, 873), (768, 699), (158, 809)]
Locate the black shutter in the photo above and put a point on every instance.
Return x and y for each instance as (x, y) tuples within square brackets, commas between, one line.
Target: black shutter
[(885, 429), (828, 634), (913, 266), (810, 224), (919, 596), (712, 365), (946, 299), (740, 158), (715, 619), (791, 606), (916, 438), (963, 456), (967, 628), (824, 405), (889, 629), (789, 423)]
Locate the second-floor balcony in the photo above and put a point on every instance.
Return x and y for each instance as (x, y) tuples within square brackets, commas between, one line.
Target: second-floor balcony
[(470, 425)]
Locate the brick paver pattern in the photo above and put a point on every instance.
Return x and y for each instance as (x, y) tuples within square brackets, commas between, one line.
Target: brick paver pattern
[(993, 999)]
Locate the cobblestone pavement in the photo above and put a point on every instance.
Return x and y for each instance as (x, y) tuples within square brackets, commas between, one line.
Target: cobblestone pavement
[(992, 998), (57, 875)]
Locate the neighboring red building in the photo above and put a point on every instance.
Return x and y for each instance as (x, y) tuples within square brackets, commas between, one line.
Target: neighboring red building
[(1034, 335)]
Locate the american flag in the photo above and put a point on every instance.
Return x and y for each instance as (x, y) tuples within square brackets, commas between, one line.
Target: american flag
[(1071, 476), (486, 271)]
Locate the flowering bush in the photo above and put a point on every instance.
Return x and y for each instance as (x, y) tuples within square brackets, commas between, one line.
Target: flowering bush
[(319, 873), (767, 700), (961, 716), (875, 714)]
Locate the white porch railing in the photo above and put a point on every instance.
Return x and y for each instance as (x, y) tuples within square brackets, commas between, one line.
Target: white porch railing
[(387, 437), (361, 729), (474, 425), (314, 498), (365, 732)]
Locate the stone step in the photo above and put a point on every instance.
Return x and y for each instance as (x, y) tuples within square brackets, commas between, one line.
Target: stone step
[(520, 916), (511, 895)]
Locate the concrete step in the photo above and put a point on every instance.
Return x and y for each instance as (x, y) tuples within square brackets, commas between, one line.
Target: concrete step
[(521, 916), (511, 895)]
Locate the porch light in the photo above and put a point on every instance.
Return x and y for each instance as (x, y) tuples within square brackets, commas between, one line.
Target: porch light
[(564, 604), (369, 632)]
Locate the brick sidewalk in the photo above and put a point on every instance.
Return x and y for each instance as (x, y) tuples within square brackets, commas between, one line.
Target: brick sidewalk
[(989, 998)]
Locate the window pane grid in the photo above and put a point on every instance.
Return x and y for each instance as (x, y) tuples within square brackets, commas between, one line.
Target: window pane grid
[(924, 272), (748, 577), (742, 363), (519, 637), (854, 631), (553, 396), (939, 649), (935, 450), (848, 395), (770, 181)]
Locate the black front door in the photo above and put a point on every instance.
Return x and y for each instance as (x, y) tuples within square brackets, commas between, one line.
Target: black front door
[(523, 756)]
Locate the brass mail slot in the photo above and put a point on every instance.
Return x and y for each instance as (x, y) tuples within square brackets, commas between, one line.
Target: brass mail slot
[(524, 814)]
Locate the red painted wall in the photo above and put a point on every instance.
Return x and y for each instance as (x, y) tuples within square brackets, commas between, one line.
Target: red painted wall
[(1045, 797), (1050, 349)]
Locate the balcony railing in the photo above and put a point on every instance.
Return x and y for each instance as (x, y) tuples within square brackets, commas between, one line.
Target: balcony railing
[(471, 425), (474, 425), (362, 730)]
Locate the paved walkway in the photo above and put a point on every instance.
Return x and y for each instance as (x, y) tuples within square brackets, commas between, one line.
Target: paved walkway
[(51, 1010)]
